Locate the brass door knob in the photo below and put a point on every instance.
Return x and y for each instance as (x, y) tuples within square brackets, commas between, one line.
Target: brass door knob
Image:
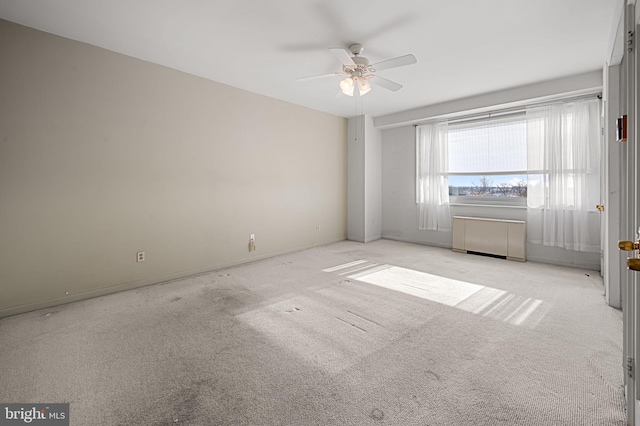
[(600, 207), (633, 264), (628, 245)]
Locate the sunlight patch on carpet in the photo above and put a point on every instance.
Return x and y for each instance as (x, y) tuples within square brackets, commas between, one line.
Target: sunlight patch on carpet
[(426, 286), (477, 299), (345, 266)]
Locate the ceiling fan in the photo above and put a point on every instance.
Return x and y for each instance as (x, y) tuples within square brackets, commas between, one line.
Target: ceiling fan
[(360, 73)]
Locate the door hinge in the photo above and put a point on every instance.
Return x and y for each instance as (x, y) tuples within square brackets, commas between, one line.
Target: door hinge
[(629, 366), (630, 41)]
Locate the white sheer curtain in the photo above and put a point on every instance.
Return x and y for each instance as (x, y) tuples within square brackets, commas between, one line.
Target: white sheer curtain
[(432, 186), (563, 144)]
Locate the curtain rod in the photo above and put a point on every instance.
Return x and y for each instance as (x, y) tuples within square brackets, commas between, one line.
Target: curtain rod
[(509, 111)]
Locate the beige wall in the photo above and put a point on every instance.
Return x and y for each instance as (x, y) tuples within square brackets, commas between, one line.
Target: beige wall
[(103, 155)]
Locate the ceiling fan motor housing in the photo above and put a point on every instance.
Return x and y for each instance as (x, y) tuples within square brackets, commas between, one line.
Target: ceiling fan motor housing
[(361, 66)]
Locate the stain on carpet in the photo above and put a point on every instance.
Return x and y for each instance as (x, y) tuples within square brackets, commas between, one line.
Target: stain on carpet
[(377, 414)]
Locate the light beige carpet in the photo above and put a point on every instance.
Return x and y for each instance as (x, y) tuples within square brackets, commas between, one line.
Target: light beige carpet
[(383, 333)]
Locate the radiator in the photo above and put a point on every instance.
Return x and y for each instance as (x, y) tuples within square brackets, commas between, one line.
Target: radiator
[(491, 236)]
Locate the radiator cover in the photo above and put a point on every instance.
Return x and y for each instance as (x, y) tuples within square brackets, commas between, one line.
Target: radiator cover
[(491, 236)]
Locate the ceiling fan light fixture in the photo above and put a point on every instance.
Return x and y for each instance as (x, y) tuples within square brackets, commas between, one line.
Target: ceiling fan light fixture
[(348, 84), (364, 86)]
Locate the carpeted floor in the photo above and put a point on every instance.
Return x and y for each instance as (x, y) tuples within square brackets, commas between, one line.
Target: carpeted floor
[(384, 333)]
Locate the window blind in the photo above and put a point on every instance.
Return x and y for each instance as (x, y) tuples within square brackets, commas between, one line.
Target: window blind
[(491, 146)]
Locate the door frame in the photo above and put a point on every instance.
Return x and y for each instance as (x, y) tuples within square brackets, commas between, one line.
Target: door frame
[(630, 215)]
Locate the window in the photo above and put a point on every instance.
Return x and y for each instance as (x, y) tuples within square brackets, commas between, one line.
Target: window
[(488, 160), (546, 158)]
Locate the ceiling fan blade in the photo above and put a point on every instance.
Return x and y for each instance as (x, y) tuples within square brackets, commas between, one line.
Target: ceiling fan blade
[(386, 83), (315, 77), (343, 56), (400, 61), (390, 26)]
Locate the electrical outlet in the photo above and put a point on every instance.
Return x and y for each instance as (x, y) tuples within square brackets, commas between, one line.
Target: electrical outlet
[(318, 228), (140, 256), (252, 237)]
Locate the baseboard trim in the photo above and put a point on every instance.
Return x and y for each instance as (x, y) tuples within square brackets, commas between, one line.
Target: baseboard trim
[(588, 266), (30, 307), (103, 291), (374, 238), (423, 243)]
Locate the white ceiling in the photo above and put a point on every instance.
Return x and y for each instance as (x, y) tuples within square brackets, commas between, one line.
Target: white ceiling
[(464, 47)]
